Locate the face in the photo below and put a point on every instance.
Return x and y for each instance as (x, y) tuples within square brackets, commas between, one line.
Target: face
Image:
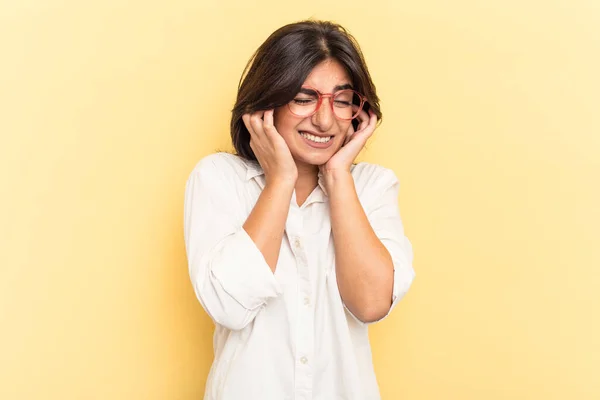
[(298, 131)]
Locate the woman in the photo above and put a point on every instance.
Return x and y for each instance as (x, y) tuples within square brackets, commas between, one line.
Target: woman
[(293, 249)]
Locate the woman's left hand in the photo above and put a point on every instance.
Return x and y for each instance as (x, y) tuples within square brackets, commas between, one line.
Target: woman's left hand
[(342, 160)]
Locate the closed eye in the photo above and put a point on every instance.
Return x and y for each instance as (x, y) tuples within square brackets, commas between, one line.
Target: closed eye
[(304, 101), (341, 103)]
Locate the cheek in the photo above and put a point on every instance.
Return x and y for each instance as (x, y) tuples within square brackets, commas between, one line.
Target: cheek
[(344, 129), (282, 120), (345, 126)]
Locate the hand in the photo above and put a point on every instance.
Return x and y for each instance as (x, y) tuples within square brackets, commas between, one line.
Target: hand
[(270, 148), (342, 160)]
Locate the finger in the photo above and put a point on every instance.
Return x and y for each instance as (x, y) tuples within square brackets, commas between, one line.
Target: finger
[(372, 119), (246, 119), (371, 124), (363, 120), (256, 122), (268, 125), (349, 134), (255, 150), (360, 117), (366, 128)]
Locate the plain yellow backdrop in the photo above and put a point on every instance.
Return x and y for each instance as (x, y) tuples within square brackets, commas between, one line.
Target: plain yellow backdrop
[(491, 121)]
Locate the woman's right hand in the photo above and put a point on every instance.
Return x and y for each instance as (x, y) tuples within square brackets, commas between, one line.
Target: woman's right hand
[(270, 148)]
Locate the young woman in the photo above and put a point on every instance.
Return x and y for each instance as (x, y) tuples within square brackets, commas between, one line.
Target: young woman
[(293, 249)]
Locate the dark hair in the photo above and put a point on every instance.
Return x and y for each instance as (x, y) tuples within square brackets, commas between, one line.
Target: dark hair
[(276, 71)]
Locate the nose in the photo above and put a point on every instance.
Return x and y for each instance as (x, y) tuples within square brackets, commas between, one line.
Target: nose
[(324, 118)]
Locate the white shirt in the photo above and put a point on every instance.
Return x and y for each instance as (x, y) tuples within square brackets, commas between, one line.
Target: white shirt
[(285, 335)]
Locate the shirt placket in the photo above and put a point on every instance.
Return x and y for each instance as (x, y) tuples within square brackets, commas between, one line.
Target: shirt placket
[(304, 359)]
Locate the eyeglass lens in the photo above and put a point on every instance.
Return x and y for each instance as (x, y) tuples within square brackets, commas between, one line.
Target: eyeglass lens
[(346, 103)]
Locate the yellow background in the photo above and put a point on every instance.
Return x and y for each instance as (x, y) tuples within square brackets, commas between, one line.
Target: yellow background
[(491, 121)]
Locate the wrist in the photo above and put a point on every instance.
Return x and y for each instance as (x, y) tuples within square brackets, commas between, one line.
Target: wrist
[(335, 178), (335, 175), (281, 183)]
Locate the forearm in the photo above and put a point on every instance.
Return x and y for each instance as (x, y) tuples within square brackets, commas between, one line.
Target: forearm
[(364, 267), (266, 223)]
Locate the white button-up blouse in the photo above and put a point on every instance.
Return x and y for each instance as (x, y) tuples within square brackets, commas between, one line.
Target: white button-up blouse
[(284, 335)]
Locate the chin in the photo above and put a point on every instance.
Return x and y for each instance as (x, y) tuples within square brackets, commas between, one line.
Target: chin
[(314, 158)]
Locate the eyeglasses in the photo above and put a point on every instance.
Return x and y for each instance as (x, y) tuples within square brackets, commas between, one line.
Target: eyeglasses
[(345, 104)]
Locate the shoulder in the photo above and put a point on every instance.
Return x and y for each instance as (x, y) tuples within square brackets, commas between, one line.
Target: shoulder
[(374, 184), (222, 166), (370, 177)]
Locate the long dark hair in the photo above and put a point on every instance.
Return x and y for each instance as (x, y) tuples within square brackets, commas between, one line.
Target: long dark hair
[(276, 71)]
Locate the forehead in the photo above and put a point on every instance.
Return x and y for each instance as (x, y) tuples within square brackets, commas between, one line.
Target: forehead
[(326, 75)]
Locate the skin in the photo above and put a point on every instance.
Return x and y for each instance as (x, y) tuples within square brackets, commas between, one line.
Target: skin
[(364, 267)]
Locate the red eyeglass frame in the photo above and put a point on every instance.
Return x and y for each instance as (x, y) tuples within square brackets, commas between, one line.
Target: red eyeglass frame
[(363, 100)]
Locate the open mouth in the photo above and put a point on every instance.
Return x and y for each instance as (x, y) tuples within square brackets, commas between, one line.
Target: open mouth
[(315, 139)]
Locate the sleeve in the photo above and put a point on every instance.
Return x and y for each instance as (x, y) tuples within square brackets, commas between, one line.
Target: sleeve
[(229, 274), (383, 213)]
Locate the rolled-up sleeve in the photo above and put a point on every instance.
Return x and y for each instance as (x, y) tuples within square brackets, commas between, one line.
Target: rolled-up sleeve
[(229, 274), (384, 215)]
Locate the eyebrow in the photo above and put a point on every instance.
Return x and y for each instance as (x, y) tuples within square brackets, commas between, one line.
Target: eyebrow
[(335, 89), (342, 87)]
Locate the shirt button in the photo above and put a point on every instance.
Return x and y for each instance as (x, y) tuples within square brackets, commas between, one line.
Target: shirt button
[(306, 301), (304, 360), (297, 243)]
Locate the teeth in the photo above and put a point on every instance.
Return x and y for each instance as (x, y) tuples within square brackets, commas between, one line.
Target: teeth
[(316, 139)]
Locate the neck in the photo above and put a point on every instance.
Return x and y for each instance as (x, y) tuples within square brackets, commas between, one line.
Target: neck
[(307, 173), (308, 178)]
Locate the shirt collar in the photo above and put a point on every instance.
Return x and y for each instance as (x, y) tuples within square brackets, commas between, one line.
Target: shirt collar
[(256, 172)]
